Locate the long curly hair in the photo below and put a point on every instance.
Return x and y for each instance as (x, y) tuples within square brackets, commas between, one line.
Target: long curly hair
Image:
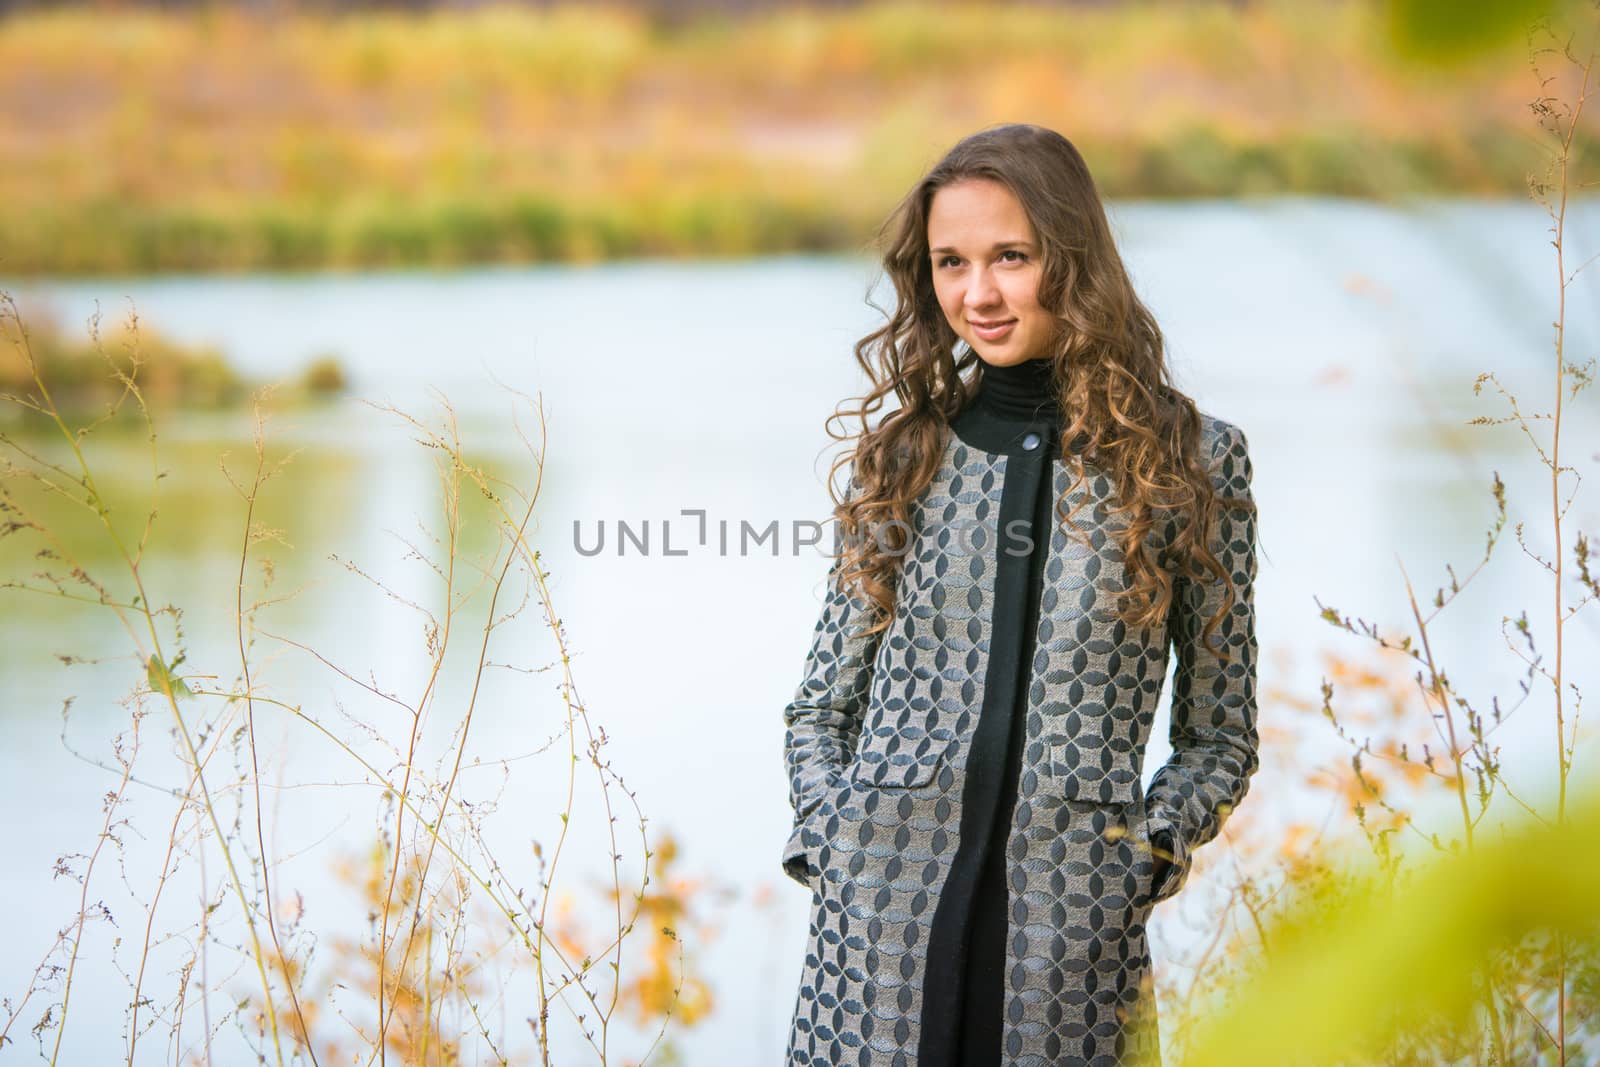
[(1111, 375)]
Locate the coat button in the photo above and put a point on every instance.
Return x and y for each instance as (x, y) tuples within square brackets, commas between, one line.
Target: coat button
[(1030, 441)]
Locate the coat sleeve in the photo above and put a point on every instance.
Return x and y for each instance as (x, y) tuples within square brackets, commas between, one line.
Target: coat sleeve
[(823, 721), (1213, 732)]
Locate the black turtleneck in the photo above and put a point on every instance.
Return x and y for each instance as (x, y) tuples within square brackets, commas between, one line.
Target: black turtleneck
[(1025, 391), (1009, 404)]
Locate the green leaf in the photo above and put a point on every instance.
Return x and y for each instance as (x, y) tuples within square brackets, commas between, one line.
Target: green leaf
[(164, 681)]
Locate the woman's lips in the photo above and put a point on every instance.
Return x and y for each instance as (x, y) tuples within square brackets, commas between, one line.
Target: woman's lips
[(995, 332)]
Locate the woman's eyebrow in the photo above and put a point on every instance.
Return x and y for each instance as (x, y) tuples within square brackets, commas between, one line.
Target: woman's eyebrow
[(997, 246)]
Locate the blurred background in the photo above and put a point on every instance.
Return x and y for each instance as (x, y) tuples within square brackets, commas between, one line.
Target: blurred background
[(653, 220)]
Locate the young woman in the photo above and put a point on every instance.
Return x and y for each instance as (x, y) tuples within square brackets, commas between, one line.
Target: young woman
[(1043, 517)]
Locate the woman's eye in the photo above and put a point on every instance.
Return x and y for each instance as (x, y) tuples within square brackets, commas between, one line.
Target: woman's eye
[(946, 261), (1013, 252)]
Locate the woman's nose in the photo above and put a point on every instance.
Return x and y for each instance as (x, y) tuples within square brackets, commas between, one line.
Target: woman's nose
[(981, 290)]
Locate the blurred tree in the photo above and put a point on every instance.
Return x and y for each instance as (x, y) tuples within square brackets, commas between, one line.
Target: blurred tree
[(1446, 32)]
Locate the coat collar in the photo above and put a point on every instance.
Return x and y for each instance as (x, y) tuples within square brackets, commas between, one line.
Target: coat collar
[(988, 432)]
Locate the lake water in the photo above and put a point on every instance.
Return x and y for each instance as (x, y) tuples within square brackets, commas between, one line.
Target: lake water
[(1343, 337)]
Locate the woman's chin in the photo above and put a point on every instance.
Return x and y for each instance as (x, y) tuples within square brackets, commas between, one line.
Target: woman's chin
[(1001, 355)]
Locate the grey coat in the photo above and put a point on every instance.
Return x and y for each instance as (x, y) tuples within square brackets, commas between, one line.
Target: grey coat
[(877, 746)]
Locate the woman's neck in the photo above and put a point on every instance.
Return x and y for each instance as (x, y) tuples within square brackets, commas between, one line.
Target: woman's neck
[(1023, 391)]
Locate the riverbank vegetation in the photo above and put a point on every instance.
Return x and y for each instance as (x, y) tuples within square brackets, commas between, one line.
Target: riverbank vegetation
[(143, 141), (38, 356)]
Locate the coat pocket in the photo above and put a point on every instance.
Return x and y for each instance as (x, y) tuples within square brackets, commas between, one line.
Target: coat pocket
[(804, 854), (1080, 775), (896, 757)]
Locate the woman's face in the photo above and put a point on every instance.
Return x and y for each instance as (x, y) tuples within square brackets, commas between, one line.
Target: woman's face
[(985, 261)]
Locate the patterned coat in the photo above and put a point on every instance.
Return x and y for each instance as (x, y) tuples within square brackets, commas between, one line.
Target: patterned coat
[(892, 741)]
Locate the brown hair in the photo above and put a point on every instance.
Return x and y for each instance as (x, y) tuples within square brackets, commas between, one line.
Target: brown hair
[(1110, 370)]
